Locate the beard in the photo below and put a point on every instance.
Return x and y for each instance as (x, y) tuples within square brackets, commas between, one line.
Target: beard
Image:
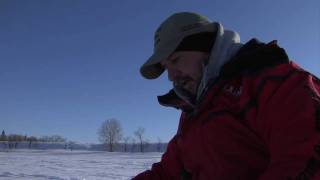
[(188, 84)]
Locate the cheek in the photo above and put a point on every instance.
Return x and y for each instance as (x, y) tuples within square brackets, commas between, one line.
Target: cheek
[(196, 71), (191, 68)]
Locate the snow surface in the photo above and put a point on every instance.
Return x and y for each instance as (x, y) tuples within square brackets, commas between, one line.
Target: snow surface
[(73, 165)]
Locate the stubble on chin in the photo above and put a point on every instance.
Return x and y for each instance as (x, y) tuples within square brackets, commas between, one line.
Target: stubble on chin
[(191, 87)]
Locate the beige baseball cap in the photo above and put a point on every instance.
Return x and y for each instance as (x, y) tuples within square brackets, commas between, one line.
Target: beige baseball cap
[(170, 34)]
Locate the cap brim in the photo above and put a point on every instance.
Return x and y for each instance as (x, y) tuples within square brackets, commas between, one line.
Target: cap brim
[(152, 69)]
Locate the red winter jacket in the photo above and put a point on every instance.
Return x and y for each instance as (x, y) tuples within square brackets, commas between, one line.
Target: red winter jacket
[(259, 120)]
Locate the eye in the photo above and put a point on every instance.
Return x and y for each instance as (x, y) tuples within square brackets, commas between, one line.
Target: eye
[(174, 60)]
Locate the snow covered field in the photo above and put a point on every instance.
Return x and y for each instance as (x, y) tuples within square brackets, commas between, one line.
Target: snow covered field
[(73, 165)]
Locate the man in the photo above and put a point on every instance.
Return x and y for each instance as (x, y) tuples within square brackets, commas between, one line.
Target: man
[(247, 111)]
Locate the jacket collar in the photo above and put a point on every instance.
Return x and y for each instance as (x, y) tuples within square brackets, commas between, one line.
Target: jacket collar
[(171, 99)]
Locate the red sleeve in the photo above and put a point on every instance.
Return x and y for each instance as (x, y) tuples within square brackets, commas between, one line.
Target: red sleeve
[(170, 167), (290, 125)]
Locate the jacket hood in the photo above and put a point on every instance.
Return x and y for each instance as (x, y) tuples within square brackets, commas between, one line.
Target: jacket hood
[(226, 44)]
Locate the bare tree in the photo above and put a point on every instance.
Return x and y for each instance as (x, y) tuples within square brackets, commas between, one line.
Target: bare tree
[(53, 139), (110, 133), (31, 139), (125, 143), (133, 144), (146, 145), (71, 145), (139, 133), (14, 139), (58, 139)]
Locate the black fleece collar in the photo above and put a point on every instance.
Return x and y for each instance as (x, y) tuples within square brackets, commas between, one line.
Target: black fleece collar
[(253, 57)]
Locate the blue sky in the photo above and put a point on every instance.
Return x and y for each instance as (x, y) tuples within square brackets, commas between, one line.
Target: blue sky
[(66, 66)]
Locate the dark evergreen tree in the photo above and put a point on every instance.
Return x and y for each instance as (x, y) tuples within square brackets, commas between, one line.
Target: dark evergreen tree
[(3, 136)]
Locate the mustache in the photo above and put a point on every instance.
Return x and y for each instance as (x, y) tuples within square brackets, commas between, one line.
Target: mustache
[(180, 82)]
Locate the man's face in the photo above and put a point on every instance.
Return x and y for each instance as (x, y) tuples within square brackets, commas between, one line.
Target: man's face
[(185, 69)]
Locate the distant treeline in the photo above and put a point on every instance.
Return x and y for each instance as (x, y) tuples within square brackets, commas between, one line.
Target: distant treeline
[(19, 138), (16, 141), (11, 145), (13, 140)]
